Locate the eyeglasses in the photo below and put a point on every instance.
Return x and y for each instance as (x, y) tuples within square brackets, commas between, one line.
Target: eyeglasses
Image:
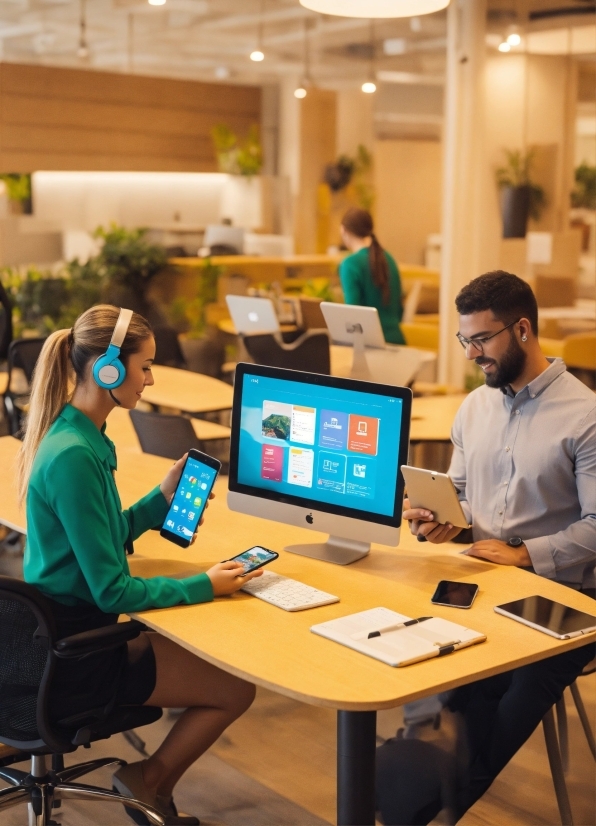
[(478, 343)]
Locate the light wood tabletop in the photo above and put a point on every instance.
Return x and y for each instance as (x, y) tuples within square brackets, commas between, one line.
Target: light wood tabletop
[(187, 391), (432, 417)]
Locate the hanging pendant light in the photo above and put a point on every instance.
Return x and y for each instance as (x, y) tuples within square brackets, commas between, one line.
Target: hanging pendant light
[(301, 90), (369, 87), (375, 8), (83, 47), (257, 55)]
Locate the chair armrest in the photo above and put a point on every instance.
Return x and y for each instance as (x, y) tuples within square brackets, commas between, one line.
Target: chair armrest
[(99, 639)]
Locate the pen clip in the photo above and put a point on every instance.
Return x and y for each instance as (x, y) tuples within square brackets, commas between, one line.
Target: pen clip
[(447, 647)]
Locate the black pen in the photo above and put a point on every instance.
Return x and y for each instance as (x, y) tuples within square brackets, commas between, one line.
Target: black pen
[(396, 627)]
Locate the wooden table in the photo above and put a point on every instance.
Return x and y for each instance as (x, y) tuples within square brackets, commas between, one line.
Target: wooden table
[(272, 648), (189, 392), (432, 417)]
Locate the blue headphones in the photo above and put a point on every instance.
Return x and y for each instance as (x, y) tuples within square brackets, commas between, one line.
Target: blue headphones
[(108, 370)]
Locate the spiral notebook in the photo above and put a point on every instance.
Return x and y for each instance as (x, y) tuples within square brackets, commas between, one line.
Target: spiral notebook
[(434, 637)]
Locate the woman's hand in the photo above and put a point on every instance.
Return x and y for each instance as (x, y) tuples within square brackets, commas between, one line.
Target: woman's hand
[(170, 483), (422, 523), (225, 577)]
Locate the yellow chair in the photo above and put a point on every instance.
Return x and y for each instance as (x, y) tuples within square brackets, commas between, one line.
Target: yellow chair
[(577, 351), (422, 336)]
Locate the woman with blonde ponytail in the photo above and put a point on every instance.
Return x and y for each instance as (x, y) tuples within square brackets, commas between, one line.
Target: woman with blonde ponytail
[(370, 277), (77, 538)]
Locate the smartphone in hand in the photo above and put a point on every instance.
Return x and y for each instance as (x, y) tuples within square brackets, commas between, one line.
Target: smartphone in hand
[(254, 558), (190, 499)]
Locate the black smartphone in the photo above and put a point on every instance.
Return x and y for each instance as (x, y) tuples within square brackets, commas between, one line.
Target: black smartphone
[(455, 594), (254, 558), (196, 482)]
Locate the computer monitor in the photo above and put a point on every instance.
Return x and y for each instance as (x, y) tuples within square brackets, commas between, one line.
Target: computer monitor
[(224, 236), (321, 453), (352, 324), (252, 315)]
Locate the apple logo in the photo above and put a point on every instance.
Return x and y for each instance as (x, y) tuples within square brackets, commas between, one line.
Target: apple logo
[(309, 518)]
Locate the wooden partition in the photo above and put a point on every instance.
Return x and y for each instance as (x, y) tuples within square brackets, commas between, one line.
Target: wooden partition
[(53, 118)]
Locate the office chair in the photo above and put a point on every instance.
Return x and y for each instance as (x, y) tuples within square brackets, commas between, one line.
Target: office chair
[(167, 348), (5, 323), (557, 743), (22, 354), (29, 651), (308, 352), (161, 435)]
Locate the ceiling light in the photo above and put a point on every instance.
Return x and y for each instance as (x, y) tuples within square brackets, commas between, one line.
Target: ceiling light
[(375, 8), (504, 47), (156, 2), (257, 56), (221, 72), (369, 87), (514, 39), (300, 92)]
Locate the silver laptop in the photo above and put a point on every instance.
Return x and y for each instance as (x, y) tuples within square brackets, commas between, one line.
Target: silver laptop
[(252, 315)]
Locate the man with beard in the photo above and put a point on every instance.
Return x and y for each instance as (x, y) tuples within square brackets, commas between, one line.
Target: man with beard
[(524, 464)]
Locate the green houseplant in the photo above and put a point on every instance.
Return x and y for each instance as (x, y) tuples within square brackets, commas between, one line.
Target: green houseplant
[(520, 197), (583, 195), (235, 155), (18, 190)]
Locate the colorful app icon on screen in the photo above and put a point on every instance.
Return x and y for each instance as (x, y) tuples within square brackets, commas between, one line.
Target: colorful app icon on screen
[(197, 502)]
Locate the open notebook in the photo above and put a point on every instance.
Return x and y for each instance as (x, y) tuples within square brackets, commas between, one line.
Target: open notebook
[(433, 638)]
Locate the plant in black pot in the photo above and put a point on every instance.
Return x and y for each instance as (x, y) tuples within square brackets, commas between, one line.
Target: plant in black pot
[(127, 264), (520, 198), (339, 174)]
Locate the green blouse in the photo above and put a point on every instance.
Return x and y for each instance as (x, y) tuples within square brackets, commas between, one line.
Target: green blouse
[(77, 530), (359, 288)]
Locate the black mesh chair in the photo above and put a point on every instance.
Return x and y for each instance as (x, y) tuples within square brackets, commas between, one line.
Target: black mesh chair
[(308, 352), (29, 650), (22, 354), (168, 436), (167, 348)]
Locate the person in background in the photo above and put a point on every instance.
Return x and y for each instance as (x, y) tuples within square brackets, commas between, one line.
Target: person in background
[(75, 555), (370, 277), (524, 465)]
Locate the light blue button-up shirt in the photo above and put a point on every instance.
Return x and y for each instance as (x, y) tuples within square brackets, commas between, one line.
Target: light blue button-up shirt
[(525, 465)]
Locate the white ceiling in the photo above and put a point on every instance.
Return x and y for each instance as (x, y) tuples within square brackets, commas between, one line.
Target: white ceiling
[(212, 39)]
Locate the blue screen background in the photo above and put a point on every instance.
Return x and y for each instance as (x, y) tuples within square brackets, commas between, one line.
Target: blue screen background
[(341, 476), (190, 498)]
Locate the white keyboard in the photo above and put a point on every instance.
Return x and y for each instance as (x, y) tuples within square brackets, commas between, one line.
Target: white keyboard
[(287, 593)]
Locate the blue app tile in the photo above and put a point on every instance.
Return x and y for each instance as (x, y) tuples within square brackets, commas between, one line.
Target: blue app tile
[(333, 430), (361, 477), (331, 472)]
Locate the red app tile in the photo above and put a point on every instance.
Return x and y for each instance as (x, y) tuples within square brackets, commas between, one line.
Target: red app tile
[(272, 462), (363, 434)]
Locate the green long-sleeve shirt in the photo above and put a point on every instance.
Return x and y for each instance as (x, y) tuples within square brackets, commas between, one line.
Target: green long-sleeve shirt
[(359, 288), (76, 528)]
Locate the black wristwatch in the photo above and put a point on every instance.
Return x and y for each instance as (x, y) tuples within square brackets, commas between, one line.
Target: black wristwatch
[(515, 542)]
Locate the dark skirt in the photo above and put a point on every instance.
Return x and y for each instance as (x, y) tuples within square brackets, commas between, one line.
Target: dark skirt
[(115, 677)]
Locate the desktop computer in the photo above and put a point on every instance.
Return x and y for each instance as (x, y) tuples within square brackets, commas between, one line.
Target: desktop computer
[(373, 359), (321, 453)]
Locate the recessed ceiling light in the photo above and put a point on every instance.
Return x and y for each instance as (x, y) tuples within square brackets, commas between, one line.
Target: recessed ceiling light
[(514, 39), (156, 2), (369, 87), (375, 8), (257, 56), (504, 47), (300, 92)]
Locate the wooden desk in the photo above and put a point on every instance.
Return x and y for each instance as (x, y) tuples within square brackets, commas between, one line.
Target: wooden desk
[(432, 417), (121, 431), (190, 392), (274, 649)]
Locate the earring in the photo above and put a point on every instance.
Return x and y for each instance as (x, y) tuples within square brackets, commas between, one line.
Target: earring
[(524, 338)]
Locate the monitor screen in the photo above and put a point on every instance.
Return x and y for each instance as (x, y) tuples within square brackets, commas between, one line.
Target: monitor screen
[(320, 442)]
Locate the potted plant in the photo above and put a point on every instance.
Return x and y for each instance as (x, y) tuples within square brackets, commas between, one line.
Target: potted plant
[(201, 345), (18, 191), (520, 198)]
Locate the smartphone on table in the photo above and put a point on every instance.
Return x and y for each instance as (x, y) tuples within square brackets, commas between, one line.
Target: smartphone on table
[(455, 594), (254, 558), (190, 499)]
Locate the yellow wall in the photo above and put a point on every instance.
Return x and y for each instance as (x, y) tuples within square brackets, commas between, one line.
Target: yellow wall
[(408, 196)]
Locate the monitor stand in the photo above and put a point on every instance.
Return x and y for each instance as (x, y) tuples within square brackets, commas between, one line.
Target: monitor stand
[(360, 368), (337, 549)]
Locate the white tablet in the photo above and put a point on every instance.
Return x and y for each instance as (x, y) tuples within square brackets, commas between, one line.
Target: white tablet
[(550, 617), (434, 492)]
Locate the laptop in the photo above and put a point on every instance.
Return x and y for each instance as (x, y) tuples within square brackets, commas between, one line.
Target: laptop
[(252, 315)]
